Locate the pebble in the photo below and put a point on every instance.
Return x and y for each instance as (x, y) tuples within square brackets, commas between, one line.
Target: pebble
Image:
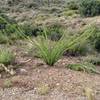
[(23, 71)]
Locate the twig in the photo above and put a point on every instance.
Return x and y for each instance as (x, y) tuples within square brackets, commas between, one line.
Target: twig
[(11, 72)]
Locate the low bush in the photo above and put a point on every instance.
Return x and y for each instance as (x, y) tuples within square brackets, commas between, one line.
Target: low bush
[(95, 39), (3, 38), (72, 5), (86, 46), (7, 28), (53, 32), (6, 57), (31, 30), (12, 31), (92, 59), (89, 7), (80, 49), (32, 5), (87, 67), (70, 13)]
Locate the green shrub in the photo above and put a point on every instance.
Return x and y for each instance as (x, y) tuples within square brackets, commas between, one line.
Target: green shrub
[(87, 67), (53, 32), (92, 59), (86, 46), (70, 13), (81, 49), (72, 5), (89, 7), (6, 57), (3, 38), (95, 39), (5, 19), (7, 83), (43, 89), (32, 4), (51, 51), (31, 30), (11, 30)]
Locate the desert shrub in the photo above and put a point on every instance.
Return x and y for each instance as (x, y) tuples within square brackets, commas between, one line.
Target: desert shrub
[(55, 10), (4, 19), (53, 2), (86, 46), (87, 67), (95, 39), (97, 44), (43, 89), (80, 49), (9, 33), (94, 59), (51, 51), (53, 32), (10, 30), (32, 4), (13, 2), (70, 13), (72, 5), (7, 83), (89, 7), (3, 38), (7, 28), (6, 57), (31, 30), (52, 9)]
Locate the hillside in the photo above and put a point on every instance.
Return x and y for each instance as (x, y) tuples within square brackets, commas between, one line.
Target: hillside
[(49, 49)]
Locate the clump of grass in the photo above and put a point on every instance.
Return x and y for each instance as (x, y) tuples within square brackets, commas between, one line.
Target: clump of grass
[(70, 13), (6, 57), (7, 83), (85, 66), (10, 31), (3, 38), (89, 93), (43, 89)]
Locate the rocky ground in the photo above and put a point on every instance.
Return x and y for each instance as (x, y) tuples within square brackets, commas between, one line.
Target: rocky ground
[(34, 80)]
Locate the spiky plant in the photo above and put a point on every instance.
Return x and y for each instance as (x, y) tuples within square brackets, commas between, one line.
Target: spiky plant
[(51, 51)]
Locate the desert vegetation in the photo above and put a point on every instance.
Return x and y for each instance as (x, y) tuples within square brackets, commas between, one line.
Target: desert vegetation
[(50, 49)]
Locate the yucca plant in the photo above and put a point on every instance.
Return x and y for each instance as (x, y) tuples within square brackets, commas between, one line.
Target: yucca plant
[(51, 51)]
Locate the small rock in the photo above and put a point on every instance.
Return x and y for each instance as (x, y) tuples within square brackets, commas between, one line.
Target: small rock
[(23, 71), (0, 75), (57, 84), (12, 72)]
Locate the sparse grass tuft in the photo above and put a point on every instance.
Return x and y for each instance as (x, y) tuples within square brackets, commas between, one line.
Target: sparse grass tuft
[(43, 89), (92, 59), (85, 66), (7, 83), (6, 57)]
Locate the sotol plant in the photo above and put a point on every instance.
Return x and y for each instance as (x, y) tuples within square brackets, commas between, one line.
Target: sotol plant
[(51, 51)]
